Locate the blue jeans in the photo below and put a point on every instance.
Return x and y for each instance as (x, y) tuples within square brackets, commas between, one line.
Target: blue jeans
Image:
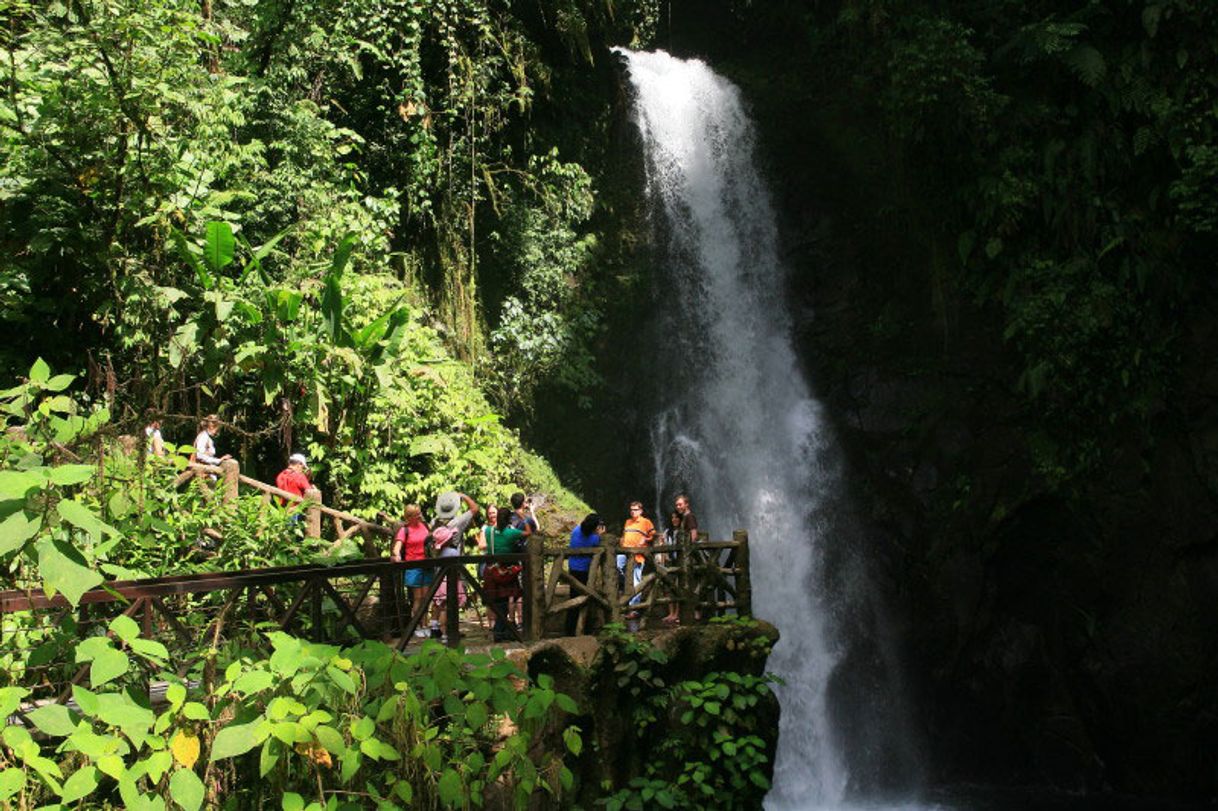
[(638, 577)]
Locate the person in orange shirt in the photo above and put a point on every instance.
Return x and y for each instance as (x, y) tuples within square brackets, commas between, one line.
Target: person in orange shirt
[(638, 532)]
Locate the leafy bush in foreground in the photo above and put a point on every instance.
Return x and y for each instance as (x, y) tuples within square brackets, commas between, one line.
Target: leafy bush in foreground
[(310, 724)]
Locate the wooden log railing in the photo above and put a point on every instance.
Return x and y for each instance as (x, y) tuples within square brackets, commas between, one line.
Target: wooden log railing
[(704, 579), (345, 602), (230, 478), (364, 599)]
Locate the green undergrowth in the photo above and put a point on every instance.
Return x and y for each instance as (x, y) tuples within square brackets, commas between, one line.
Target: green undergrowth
[(302, 725), (78, 505), (699, 743)]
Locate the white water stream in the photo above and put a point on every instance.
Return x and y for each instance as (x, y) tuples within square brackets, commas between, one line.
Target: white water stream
[(740, 429)]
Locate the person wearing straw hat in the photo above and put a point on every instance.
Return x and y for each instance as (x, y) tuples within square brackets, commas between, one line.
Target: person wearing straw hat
[(448, 533)]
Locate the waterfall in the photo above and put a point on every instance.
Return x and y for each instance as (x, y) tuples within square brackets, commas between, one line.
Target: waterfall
[(738, 427)]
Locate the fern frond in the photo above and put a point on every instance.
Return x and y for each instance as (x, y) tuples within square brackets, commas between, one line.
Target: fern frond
[(1088, 64)]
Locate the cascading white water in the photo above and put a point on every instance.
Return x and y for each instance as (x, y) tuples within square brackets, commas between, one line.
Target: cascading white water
[(740, 428)]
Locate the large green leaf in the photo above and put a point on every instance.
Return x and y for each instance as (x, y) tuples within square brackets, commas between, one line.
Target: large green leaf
[(59, 382), (40, 372), (237, 739), (17, 529), (64, 570), (286, 304), (188, 256), (254, 681), (186, 789), (79, 785), (18, 483), (10, 699), (218, 252), (332, 294), (12, 780), (150, 649), (371, 333), (450, 787), (54, 720), (157, 764), (118, 710), (107, 666), (330, 738), (82, 517), (183, 344), (125, 628)]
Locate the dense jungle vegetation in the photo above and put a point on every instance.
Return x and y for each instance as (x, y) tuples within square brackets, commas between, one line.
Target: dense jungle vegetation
[(322, 220)]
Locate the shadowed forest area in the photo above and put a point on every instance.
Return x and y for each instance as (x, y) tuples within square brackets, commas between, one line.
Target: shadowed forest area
[(1002, 219)]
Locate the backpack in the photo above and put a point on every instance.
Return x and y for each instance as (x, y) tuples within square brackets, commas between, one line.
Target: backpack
[(441, 536)]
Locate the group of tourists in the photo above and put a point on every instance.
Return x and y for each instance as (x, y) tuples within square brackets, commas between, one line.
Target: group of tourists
[(637, 532), (502, 531)]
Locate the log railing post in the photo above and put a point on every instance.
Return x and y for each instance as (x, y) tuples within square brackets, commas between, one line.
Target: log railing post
[(534, 589), (146, 618), (744, 582), (610, 583), (313, 513), (315, 595), (230, 472), (452, 605), (689, 593)]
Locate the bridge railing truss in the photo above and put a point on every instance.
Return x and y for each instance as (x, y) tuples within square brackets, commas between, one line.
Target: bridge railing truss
[(366, 599)]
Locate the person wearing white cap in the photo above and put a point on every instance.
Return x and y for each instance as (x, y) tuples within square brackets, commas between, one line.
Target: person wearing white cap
[(293, 479)]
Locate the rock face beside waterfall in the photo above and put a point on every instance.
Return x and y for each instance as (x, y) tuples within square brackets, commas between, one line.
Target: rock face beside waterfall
[(608, 691)]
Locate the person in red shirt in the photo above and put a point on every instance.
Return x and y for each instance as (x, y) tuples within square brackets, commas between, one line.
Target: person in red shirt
[(293, 479), (410, 543)]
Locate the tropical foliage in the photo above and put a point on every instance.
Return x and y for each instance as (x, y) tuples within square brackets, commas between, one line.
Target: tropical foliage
[(700, 741), (309, 726), (239, 207)]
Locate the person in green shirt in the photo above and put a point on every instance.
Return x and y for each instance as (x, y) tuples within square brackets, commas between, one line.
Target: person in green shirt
[(506, 539), (502, 582)]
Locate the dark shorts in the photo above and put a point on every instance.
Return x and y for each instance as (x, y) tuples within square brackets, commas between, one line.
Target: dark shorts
[(418, 578)]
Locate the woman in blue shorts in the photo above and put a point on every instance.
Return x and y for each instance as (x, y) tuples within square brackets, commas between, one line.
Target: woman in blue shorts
[(411, 544)]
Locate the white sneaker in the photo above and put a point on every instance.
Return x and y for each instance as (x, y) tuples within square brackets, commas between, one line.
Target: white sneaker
[(422, 633)]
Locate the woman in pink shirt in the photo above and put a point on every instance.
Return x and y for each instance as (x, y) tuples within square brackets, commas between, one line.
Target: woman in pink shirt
[(411, 544)]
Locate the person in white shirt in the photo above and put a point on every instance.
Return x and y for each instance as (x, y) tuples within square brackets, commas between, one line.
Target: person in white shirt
[(152, 435), (205, 442)]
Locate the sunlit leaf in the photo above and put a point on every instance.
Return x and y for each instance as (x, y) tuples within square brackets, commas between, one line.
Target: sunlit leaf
[(218, 250), (16, 530), (187, 789), (64, 570)]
